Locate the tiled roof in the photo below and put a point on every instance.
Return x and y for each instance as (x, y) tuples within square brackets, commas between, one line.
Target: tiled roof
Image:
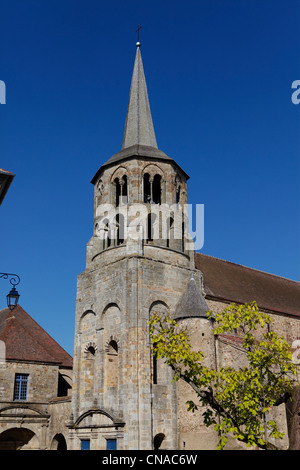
[(232, 282), (27, 341)]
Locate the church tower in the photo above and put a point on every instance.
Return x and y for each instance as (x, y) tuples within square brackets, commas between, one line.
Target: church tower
[(140, 260)]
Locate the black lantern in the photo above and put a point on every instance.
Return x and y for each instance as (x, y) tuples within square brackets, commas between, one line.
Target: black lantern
[(12, 298)]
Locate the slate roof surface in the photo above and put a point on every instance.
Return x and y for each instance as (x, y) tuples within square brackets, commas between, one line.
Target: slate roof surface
[(137, 152), (192, 303), (139, 139)]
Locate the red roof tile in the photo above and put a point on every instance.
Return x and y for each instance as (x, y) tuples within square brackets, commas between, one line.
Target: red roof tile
[(232, 282), (26, 340)]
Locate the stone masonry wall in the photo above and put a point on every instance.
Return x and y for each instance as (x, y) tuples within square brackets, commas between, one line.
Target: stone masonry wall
[(220, 353)]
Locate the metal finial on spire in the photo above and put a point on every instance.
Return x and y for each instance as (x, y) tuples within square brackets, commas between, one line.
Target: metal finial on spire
[(138, 31)]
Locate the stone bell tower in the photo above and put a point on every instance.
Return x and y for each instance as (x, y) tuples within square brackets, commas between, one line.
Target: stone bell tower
[(140, 260)]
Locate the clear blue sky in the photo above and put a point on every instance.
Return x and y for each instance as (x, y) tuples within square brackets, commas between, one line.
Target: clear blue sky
[(219, 75)]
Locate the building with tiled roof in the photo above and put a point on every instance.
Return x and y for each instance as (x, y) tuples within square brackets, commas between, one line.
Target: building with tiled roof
[(36, 378), (230, 282), (26, 340), (120, 390), (123, 397)]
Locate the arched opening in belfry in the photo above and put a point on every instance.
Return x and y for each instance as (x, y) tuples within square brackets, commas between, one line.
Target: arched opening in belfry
[(120, 190), (147, 188), (170, 231), (156, 189), (117, 191), (106, 234), (152, 189), (124, 190), (120, 229), (178, 195), (151, 218)]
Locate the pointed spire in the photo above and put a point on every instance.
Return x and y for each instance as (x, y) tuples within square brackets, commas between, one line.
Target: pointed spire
[(192, 303), (139, 128)]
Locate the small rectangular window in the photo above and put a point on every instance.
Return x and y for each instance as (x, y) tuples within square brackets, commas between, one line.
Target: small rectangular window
[(85, 444), (111, 444), (21, 387)]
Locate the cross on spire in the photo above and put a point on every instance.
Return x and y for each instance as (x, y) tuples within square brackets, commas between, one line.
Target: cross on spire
[(138, 31)]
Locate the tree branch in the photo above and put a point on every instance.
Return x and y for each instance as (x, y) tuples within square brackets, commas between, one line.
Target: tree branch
[(215, 405)]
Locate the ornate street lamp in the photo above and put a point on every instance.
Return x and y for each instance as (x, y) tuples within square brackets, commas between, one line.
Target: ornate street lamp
[(13, 295)]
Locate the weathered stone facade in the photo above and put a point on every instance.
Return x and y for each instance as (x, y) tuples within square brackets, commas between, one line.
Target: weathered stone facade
[(119, 289), (119, 391), (140, 260), (35, 385)]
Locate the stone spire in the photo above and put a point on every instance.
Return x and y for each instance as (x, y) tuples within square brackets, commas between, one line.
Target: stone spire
[(192, 303), (139, 128)]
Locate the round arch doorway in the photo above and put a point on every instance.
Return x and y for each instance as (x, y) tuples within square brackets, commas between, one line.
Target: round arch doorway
[(59, 442), (17, 439)]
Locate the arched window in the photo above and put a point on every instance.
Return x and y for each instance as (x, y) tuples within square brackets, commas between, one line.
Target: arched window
[(156, 189), (170, 230), (124, 189), (157, 441), (150, 226), (178, 195), (91, 351), (120, 229), (117, 191), (59, 443), (112, 366), (152, 189), (112, 348), (178, 188), (147, 188), (63, 386), (120, 191), (106, 234)]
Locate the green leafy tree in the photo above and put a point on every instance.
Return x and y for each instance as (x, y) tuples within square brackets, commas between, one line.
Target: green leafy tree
[(237, 401)]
